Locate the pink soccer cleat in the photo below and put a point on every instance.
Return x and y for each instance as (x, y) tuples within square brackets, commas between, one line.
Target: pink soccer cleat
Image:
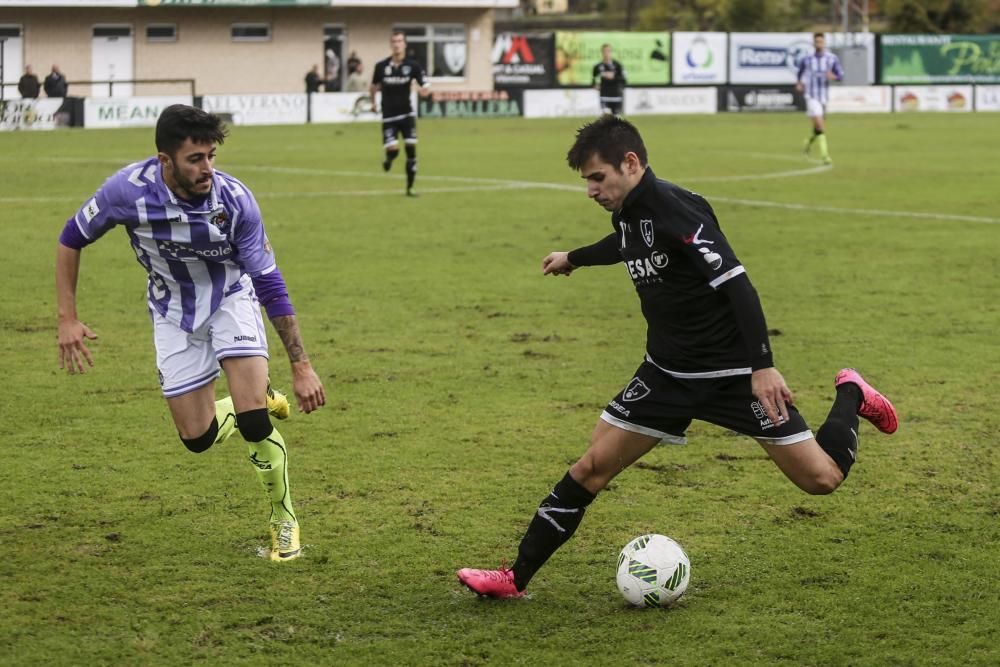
[(875, 407), (490, 583)]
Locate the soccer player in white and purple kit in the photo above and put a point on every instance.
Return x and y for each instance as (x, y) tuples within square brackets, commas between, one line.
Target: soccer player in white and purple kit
[(816, 71), (199, 235)]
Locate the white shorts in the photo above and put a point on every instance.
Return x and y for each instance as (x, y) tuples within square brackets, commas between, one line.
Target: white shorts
[(189, 361), (814, 108)]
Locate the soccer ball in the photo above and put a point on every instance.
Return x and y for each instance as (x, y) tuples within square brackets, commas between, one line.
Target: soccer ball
[(653, 571)]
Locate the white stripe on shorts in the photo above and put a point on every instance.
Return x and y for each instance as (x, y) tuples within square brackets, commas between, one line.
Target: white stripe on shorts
[(668, 438)]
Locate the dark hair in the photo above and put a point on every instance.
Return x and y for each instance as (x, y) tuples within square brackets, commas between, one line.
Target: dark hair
[(608, 137), (819, 34), (180, 121), (605, 46), (397, 31)]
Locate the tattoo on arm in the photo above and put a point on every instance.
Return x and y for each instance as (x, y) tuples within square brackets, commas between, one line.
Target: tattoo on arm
[(288, 329)]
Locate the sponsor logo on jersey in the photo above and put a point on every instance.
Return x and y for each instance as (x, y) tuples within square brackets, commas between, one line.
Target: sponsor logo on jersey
[(694, 239), (642, 269), (659, 259), (244, 339), (635, 390), (646, 226), (91, 210), (178, 251), (713, 259)]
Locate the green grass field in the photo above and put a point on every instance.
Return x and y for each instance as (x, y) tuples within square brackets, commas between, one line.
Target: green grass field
[(461, 384)]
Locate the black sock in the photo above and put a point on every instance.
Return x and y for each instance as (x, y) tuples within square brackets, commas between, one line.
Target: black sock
[(411, 172), (554, 523), (390, 156), (411, 165), (838, 436)]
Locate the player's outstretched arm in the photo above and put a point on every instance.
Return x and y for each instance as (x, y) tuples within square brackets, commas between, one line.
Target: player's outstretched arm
[(72, 332), (307, 386), (557, 264)]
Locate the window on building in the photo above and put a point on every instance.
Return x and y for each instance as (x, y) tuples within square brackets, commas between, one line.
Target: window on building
[(112, 31), (161, 32), (440, 48), (10, 31), (251, 32), (333, 63)]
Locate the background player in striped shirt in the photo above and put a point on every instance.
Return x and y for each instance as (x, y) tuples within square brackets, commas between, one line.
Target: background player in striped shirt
[(816, 71), (199, 236), (394, 78)]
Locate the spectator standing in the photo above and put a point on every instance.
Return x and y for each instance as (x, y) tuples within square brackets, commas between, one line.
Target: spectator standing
[(55, 83), (313, 80), (28, 84), (356, 82)]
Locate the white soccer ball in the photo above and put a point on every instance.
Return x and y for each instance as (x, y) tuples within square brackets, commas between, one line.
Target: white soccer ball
[(653, 571)]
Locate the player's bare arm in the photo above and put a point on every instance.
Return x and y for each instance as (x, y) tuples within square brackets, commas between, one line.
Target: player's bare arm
[(557, 264), (774, 395), (305, 382), (72, 332)]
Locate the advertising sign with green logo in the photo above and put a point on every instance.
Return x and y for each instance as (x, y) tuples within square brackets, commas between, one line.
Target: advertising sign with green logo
[(645, 56), (940, 58)]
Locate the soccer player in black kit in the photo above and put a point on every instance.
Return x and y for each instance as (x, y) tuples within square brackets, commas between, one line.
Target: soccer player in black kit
[(707, 351), (394, 76), (610, 82)]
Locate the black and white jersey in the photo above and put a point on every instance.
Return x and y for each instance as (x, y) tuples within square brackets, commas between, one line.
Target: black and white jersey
[(677, 257), (396, 84), (613, 89)]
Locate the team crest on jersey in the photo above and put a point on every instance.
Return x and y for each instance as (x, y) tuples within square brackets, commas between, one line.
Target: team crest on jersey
[(406, 70), (646, 227), (635, 390), (220, 219), (388, 70)]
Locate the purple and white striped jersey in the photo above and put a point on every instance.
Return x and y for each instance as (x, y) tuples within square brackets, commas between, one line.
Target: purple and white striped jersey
[(194, 253), (812, 74)]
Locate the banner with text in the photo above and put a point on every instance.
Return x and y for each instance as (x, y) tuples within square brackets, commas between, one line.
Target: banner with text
[(342, 108), (33, 114), (760, 98), (699, 57), (987, 98), (523, 61), (127, 111), (642, 101), (860, 99), (933, 98), (940, 58), (260, 109), (767, 57), (645, 56), (562, 103), (472, 104)]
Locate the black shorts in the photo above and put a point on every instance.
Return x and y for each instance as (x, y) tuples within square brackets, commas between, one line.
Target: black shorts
[(405, 126), (614, 107), (661, 405)]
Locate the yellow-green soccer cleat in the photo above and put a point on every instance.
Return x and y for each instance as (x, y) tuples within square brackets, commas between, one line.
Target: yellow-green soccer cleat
[(285, 541), (277, 403)]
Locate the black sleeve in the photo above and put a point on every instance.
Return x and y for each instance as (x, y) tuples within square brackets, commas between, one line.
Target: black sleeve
[(595, 74), (750, 318), (602, 253)]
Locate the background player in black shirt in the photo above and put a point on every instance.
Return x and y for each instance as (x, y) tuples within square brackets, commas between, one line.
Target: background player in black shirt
[(609, 79), (394, 77), (707, 351)]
